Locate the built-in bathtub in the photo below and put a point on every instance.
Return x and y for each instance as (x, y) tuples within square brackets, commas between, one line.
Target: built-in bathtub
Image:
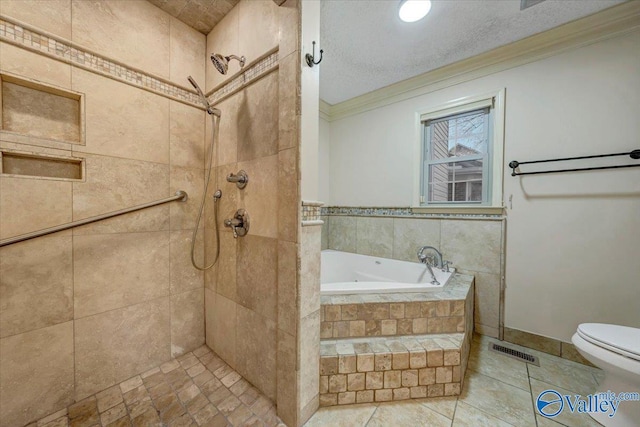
[(348, 273)]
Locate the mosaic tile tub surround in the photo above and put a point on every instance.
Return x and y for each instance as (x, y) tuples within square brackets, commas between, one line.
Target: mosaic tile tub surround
[(344, 316), (379, 347)]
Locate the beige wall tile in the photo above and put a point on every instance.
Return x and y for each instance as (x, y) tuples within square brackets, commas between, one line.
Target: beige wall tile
[(36, 374), (36, 284), (228, 204), (288, 195), (342, 233), (53, 16), (187, 135), (113, 346), (309, 350), (290, 23), (287, 287), (225, 329), (287, 379), (374, 236), (34, 66), (187, 321), (134, 32), (472, 245), (289, 100), (262, 17), (105, 277), (256, 357), (226, 144), (309, 286), (568, 351), (32, 204), (324, 244), (183, 215), (487, 299), (227, 266), (114, 183), (486, 330), (411, 234), (258, 119), (187, 53), (223, 39), (537, 342), (259, 196), (183, 275), (121, 120), (209, 316), (257, 274)]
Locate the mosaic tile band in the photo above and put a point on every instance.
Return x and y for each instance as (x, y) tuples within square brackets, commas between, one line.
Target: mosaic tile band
[(20, 35), (398, 212)]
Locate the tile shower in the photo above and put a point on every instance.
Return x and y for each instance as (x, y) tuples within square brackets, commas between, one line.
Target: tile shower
[(86, 309)]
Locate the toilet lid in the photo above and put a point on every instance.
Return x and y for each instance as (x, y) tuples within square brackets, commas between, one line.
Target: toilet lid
[(619, 339)]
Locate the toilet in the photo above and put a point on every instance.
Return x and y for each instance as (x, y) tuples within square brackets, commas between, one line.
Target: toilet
[(616, 350)]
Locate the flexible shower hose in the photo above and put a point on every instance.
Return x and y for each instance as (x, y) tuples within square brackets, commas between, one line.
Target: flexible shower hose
[(216, 197)]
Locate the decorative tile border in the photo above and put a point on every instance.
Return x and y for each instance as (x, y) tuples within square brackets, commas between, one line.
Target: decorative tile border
[(253, 72), (397, 212), (27, 37), (311, 211)]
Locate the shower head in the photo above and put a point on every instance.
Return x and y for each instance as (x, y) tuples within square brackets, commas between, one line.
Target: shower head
[(208, 106), (222, 62)]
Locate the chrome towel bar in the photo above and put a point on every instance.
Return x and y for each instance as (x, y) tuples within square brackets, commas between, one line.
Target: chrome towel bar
[(179, 196)]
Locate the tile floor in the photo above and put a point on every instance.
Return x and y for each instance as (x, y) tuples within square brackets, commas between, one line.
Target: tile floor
[(498, 392), (197, 389)]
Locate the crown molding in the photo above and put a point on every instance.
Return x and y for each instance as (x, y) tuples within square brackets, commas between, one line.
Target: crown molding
[(609, 23), (325, 110)]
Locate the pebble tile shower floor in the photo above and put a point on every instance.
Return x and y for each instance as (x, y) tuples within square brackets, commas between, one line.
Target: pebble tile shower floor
[(196, 389)]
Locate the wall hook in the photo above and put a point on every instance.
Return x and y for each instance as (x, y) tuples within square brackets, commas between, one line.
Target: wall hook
[(311, 58)]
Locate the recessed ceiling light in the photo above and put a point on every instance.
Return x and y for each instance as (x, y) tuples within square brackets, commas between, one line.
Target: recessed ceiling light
[(414, 10)]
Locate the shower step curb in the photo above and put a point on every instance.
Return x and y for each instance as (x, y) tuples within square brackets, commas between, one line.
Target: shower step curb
[(380, 369)]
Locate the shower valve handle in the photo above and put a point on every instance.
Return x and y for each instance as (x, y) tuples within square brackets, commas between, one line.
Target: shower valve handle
[(241, 179), (239, 223)]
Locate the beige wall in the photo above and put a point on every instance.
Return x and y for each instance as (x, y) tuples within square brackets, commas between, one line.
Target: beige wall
[(85, 309), (569, 237), (252, 305), (473, 246)]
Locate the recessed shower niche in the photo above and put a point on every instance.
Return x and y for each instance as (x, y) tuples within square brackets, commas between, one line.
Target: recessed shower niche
[(38, 110)]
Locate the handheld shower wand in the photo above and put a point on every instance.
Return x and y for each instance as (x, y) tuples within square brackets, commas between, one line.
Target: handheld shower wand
[(210, 109)]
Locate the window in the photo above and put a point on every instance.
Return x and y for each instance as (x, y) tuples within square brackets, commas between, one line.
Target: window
[(461, 154)]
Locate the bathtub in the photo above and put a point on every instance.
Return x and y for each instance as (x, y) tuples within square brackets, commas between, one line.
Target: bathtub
[(347, 273)]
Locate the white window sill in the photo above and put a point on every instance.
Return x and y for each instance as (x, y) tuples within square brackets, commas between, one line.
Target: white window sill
[(485, 210)]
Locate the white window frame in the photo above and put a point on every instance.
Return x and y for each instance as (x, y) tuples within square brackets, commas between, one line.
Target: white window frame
[(495, 148)]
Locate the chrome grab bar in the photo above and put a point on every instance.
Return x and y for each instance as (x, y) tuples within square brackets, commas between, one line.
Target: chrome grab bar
[(180, 196)]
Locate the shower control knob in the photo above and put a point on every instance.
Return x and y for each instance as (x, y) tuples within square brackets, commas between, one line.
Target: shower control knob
[(239, 223), (241, 179)]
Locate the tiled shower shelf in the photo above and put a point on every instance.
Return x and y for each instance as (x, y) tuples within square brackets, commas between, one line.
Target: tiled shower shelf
[(37, 110), (41, 166)]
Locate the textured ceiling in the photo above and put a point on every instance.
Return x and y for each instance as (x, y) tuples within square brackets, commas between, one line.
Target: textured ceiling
[(367, 47), (202, 15)]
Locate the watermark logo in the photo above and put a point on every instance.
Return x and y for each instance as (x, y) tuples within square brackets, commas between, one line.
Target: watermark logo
[(550, 403)]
